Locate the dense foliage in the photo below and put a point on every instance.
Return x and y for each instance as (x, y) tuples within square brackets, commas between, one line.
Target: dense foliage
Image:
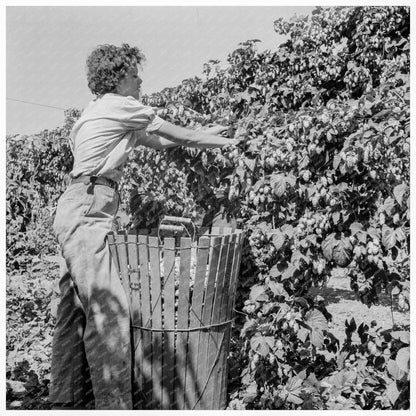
[(320, 181), (36, 175), (31, 311)]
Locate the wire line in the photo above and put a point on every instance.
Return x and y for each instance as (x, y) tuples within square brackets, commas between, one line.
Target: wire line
[(38, 104)]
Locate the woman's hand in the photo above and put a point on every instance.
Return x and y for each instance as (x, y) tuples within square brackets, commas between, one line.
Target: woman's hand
[(201, 139), (234, 142), (231, 145), (216, 129)]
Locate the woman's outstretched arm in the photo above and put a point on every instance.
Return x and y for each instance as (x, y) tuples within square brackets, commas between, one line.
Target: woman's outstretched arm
[(201, 139)]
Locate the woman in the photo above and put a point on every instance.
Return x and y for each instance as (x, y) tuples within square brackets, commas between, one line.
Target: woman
[(91, 354)]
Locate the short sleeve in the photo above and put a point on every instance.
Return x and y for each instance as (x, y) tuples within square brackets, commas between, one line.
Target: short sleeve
[(144, 138), (155, 124), (136, 116)]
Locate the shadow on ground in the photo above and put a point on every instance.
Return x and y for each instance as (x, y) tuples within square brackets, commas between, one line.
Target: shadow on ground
[(338, 290)]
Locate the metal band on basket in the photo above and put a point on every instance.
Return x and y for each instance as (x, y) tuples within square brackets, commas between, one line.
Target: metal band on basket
[(184, 329)]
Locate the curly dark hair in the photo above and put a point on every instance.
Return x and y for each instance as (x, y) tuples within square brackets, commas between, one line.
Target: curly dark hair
[(108, 64)]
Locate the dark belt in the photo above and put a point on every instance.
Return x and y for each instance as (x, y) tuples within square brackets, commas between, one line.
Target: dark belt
[(95, 180)]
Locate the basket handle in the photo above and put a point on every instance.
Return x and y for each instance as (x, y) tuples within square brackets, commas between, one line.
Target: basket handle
[(166, 227), (176, 220), (170, 218)]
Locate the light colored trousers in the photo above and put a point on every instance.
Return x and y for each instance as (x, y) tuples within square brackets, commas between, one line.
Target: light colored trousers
[(91, 352)]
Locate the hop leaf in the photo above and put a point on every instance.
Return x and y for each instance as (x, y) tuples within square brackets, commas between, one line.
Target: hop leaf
[(262, 344), (278, 239), (293, 390), (258, 293), (342, 252), (355, 227), (388, 237), (328, 246), (399, 192), (403, 358), (318, 323), (392, 392), (278, 289)]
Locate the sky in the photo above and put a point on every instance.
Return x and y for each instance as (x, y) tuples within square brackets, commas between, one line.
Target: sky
[(46, 49)]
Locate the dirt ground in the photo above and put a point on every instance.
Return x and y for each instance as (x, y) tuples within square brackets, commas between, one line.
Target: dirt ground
[(343, 304)]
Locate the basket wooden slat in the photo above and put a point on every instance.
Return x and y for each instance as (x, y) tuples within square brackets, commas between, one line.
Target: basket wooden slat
[(133, 270), (193, 385), (156, 310), (220, 371), (168, 358), (113, 250), (133, 260), (231, 299), (183, 317), (216, 339), (144, 343), (228, 283), (203, 363), (123, 263)]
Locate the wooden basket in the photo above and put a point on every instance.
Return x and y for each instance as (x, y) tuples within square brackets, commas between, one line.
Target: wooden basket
[(181, 292)]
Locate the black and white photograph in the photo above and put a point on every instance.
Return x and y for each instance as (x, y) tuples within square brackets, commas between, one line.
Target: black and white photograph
[(207, 207)]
